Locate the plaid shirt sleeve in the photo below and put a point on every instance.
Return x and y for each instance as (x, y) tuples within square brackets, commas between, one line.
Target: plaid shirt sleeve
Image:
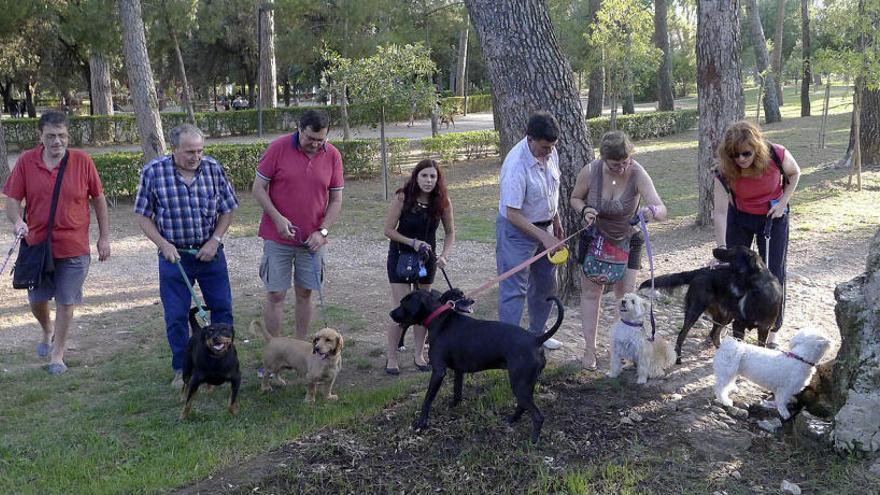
[(144, 202), (227, 201)]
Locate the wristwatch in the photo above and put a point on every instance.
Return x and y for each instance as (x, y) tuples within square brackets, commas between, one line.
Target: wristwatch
[(323, 231), (219, 239)]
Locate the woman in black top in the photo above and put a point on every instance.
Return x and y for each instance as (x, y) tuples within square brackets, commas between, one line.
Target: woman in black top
[(417, 210)]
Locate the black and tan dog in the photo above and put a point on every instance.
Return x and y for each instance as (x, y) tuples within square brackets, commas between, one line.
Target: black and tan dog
[(467, 345), (210, 359), (742, 291)]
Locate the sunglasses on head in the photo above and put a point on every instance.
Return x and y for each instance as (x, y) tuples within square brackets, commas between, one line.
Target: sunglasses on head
[(744, 154)]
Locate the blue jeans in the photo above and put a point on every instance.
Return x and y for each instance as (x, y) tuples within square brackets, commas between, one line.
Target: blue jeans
[(743, 227), (533, 284), (213, 280)]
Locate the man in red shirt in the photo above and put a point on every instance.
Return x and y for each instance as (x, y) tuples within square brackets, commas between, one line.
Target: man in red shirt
[(33, 181), (299, 186)]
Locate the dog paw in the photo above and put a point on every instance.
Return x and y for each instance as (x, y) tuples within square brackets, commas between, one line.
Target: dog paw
[(309, 400), (233, 409), (419, 424), (332, 397), (267, 388)]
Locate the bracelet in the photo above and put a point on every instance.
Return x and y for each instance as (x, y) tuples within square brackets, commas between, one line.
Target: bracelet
[(653, 210), (584, 209)]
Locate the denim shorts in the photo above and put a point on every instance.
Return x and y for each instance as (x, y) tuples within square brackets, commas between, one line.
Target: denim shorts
[(70, 274), (283, 263)]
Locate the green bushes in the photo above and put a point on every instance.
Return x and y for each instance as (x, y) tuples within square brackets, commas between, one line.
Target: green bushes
[(120, 172), (122, 128), (469, 145), (645, 125)]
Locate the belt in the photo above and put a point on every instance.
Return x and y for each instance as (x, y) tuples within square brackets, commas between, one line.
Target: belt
[(188, 246), (543, 224)]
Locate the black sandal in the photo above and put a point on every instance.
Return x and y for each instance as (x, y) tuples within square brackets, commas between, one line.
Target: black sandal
[(391, 371), (424, 368)]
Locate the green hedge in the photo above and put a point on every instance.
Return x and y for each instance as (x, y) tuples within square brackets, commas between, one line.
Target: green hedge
[(120, 172), (122, 128), (468, 145), (645, 125)]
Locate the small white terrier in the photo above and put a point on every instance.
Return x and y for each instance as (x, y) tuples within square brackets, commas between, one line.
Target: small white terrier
[(629, 340), (785, 373)]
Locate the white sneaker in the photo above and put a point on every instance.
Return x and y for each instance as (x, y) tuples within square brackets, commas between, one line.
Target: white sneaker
[(177, 382), (552, 344)]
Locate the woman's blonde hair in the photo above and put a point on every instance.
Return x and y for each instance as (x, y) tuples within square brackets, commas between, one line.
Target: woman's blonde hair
[(736, 136)]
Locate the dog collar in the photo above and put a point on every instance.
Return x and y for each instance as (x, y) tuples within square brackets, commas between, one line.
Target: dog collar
[(632, 323), (436, 313), (795, 356)]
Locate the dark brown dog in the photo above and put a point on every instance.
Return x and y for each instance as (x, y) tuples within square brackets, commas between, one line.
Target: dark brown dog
[(742, 291), (210, 359), (467, 345)]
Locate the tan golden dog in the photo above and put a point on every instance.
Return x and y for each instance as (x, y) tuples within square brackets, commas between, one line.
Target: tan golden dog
[(319, 362)]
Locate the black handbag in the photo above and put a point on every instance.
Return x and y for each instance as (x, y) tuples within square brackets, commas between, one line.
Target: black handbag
[(409, 262), (35, 266)]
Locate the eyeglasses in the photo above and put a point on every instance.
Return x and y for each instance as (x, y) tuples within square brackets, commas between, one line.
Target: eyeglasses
[(744, 154)]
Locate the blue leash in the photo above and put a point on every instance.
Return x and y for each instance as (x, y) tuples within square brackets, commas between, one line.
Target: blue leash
[(320, 291), (643, 225), (203, 315)]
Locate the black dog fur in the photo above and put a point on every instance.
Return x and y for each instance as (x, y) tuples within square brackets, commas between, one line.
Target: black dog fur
[(467, 345), (203, 364), (743, 291), (462, 305)]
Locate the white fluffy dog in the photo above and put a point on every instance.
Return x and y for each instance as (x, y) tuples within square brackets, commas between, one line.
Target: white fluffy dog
[(785, 373), (629, 340)]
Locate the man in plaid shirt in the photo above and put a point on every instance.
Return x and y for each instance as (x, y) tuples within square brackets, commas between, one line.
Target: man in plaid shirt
[(185, 205)]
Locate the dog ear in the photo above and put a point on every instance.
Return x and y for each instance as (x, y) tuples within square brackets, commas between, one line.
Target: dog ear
[(723, 254), (340, 342)]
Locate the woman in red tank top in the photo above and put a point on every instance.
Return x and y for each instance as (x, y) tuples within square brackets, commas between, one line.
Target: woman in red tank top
[(753, 186)]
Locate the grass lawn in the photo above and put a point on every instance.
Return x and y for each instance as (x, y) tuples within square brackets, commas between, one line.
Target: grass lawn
[(113, 427)]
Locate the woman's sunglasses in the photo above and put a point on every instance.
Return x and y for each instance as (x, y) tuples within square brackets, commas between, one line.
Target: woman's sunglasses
[(744, 154)]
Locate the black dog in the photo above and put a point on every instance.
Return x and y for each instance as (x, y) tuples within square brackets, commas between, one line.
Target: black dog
[(743, 291), (456, 296), (466, 345), (210, 358)]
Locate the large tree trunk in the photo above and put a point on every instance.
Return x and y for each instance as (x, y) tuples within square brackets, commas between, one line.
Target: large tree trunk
[(771, 98), (719, 89), (4, 159), (181, 67), (102, 94), (776, 58), (596, 94), (665, 98), (805, 43), (869, 130), (29, 89), (268, 79), (461, 63), (140, 79), (530, 73)]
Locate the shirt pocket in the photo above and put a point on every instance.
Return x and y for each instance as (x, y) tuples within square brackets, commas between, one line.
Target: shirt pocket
[(209, 207)]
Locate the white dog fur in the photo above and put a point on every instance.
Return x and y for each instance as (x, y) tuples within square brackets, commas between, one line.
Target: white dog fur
[(774, 370), (629, 340)]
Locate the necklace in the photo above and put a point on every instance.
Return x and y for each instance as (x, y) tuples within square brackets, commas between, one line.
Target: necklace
[(423, 205)]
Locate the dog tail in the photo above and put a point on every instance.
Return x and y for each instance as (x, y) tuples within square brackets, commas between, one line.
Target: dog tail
[(256, 328), (560, 313), (673, 280), (193, 321)]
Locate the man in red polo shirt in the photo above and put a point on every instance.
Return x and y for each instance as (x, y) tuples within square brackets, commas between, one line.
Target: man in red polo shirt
[(299, 185), (33, 181)]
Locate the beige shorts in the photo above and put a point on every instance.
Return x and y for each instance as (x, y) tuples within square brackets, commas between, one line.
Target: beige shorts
[(283, 264)]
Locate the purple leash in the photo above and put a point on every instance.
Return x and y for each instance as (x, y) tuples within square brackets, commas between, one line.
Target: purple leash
[(644, 226)]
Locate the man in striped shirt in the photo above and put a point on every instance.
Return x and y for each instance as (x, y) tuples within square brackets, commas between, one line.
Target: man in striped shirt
[(185, 205)]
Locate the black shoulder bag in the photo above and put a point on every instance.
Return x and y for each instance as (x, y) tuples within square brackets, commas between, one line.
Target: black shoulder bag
[(410, 263), (35, 266)]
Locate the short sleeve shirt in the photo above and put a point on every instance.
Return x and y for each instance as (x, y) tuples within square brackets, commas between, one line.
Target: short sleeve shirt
[(185, 214), (529, 185), (299, 186), (34, 183)]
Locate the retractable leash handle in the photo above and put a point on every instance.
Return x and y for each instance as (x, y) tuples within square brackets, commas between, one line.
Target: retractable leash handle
[(18, 235), (768, 227)]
